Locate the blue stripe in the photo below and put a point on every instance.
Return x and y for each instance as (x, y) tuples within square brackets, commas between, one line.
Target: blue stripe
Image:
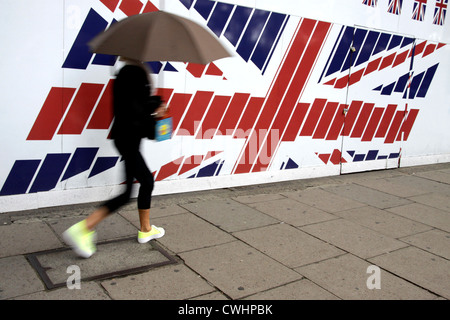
[(81, 161), (342, 51), (358, 39), (237, 24), (387, 90), (204, 7), (382, 43), (372, 155), (252, 33), (401, 83), (368, 47), (20, 177), (427, 81), (415, 85), (219, 17), (267, 39), (187, 3), (102, 164), (395, 41), (79, 55), (50, 172)]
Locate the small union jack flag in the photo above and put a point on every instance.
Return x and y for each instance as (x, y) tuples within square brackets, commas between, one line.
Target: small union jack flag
[(439, 12), (395, 6), (370, 3), (419, 9)]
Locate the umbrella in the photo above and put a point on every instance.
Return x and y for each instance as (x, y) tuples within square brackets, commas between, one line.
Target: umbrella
[(159, 36)]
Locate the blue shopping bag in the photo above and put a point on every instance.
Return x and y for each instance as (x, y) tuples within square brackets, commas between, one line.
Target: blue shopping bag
[(163, 129)]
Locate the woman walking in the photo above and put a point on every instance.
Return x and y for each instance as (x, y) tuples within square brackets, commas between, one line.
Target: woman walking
[(132, 106)]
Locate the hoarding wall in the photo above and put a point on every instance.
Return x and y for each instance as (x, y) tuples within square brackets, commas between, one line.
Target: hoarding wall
[(312, 89)]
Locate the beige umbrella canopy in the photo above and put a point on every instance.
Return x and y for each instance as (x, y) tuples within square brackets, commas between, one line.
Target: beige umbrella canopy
[(159, 36)]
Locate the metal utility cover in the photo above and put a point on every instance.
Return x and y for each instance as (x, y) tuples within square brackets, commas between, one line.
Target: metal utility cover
[(113, 258)]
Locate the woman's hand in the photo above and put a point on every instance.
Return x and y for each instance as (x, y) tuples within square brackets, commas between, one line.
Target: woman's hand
[(161, 110)]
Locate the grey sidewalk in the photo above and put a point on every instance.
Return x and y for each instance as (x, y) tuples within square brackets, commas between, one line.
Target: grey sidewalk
[(306, 239)]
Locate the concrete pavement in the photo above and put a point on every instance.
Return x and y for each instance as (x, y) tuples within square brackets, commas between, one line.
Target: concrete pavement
[(372, 235)]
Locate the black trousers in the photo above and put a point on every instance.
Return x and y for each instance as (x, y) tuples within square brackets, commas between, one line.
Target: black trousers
[(135, 167)]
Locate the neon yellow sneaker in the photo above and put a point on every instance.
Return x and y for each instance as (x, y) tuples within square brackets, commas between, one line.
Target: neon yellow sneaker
[(155, 233), (81, 239)]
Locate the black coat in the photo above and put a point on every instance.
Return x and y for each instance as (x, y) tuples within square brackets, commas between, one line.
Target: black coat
[(133, 105)]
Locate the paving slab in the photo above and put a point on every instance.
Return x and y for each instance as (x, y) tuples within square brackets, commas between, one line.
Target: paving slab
[(368, 196), (237, 269), (132, 215), (438, 175), (174, 282), (435, 200), (433, 241), (384, 222), (424, 214), (87, 291), (112, 258), (354, 238), (22, 238), (401, 186), (186, 232), (114, 227), (18, 278), (346, 277), (420, 267), (288, 245), (303, 289), (323, 200), (230, 215), (258, 198), (292, 212)]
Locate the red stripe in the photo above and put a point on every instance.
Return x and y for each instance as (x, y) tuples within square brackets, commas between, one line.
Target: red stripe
[(212, 118), (400, 58), (250, 114), (196, 69), (233, 113), (150, 7), (351, 116), (296, 122), (338, 122), (104, 113), (387, 61), (294, 91), (386, 121), (373, 124), (372, 66), (195, 113), (178, 105), (111, 4), (313, 117), (190, 163), (169, 169), (355, 77), (407, 125), (51, 114), (395, 126), (165, 94), (81, 108), (131, 7), (325, 120), (362, 120)]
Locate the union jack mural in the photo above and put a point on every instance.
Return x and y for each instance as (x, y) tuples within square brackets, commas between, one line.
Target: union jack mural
[(419, 10), (395, 6), (314, 56), (370, 3), (440, 12)]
